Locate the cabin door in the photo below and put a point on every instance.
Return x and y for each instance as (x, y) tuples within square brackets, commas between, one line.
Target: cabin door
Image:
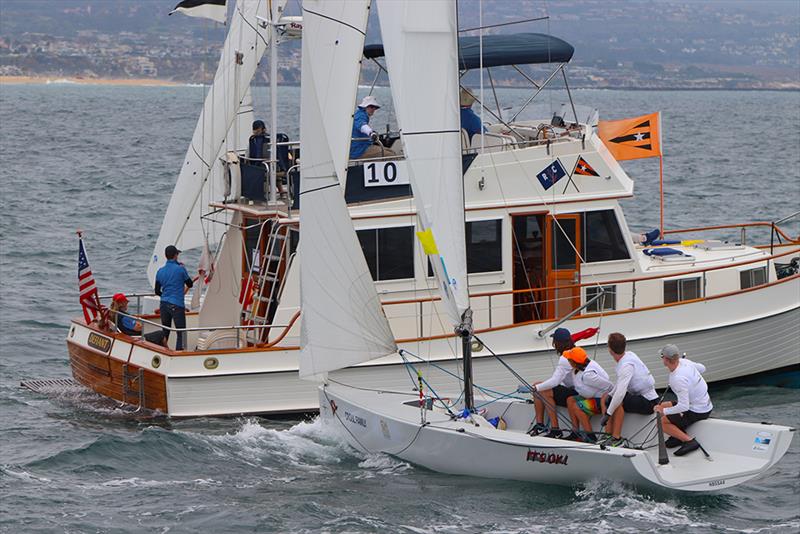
[(528, 275), (563, 264)]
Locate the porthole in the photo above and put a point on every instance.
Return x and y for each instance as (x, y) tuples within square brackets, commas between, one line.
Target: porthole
[(72, 331), (156, 362), (211, 363)]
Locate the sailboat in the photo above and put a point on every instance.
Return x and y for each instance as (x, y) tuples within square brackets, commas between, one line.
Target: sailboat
[(343, 323), (714, 298)]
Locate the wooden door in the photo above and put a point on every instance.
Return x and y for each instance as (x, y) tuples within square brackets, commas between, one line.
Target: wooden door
[(528, 250), (563, 264)]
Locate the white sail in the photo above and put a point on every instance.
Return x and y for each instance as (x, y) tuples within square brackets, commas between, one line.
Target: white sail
[(342, 322), (244, 46), (420, 44)]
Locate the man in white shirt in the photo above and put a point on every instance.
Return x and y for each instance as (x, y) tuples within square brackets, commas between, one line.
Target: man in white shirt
[(634, 391), (591, 382), (694, 404)]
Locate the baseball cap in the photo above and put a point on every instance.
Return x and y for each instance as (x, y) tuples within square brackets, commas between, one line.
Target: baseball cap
[(670, 351), (119, 297), (561, 334), (258, 124), (171, 251), (577, 355)]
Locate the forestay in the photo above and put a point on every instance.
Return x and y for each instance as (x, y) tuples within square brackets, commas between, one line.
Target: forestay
[(342, 322), (420, 40), (197, 184)]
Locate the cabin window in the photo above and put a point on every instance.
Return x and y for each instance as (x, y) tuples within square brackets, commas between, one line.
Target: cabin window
[(564, 237), (607, 302), (753, 277), (484, 240), (484, 247), (682, 289), (389, 252), (602, 238)]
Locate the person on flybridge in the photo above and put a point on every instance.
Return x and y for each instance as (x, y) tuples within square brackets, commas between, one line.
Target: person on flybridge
[(365, 143), (634, 391), (694, 404), (470, 122)]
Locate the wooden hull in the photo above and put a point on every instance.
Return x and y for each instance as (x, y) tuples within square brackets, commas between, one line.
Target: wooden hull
[(108, 377)]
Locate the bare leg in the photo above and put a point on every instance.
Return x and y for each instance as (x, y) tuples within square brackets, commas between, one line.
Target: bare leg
[(671, 429), (583, 419), (572, 408), (616, 422)]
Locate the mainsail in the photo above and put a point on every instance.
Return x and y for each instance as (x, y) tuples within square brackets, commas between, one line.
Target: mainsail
[(244, 46), (420, 42), (342, 322)]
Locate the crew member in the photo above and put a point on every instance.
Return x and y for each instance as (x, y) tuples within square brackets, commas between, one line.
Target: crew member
[(258, 147), (365, 143), (172, 283), (634, 391), (591, 382), (694, 404), (470, 122), (127, 324), (555, 390)]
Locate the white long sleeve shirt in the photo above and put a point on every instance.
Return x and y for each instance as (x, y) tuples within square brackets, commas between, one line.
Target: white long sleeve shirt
[(687, 382), (633, 377), (592, 382), (562, 375)]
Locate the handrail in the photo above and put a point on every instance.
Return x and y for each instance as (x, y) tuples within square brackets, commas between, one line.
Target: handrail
[(604, 282), (794, 241)]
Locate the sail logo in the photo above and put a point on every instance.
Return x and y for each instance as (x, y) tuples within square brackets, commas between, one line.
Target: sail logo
[(350, 418), (546, 458)]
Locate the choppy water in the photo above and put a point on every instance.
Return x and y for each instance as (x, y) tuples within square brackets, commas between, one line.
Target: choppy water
[(104, 159)]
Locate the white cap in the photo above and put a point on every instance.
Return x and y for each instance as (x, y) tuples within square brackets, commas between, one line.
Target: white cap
[(369, 100)]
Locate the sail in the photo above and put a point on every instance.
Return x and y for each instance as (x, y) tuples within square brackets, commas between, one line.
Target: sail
[(420, 43), (342, 321), (244, 46)]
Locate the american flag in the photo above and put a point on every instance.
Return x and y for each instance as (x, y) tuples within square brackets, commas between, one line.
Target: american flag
[(90, 301)]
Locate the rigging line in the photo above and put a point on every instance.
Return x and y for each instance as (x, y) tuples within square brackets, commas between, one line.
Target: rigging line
[(502, 24), (335, 20), (319, 188), (562, 418), (431, 132), (258, 34)]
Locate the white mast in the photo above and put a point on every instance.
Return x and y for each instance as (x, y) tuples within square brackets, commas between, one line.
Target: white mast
[(342, 323)]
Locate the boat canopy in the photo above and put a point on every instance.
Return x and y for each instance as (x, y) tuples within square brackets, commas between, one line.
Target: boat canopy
[(502, 50)]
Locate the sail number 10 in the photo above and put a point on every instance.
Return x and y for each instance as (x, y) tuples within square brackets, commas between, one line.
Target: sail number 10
[(380, 173)]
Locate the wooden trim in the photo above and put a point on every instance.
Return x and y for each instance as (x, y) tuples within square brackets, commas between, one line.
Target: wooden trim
[(103, 374), (777, 229)]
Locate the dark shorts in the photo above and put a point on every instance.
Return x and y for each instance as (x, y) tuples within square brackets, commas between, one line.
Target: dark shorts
[(561, 394), (683, 420), (637, 404)]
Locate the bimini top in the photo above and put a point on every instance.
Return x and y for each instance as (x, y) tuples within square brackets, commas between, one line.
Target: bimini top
[(502, 50)]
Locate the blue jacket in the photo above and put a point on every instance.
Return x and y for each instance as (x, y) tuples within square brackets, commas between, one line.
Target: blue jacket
[(359, 147), (170, 280), (471, 122)]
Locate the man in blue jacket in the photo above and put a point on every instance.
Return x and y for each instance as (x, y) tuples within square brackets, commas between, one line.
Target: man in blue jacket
[(365, 143), (172, 282)]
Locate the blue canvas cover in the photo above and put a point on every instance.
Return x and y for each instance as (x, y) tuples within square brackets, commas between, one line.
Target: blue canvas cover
[(503, 50)]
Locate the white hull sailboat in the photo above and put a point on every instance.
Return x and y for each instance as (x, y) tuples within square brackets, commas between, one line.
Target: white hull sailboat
[(343, 323), (717, 300), (389, 422)]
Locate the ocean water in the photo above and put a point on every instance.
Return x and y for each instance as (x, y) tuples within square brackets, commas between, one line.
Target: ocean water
[(104, 159)]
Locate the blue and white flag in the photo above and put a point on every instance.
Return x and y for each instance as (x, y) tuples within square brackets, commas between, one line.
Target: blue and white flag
[(551, 174)]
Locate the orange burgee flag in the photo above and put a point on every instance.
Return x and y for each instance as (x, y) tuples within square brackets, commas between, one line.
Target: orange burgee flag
[(639, 137)]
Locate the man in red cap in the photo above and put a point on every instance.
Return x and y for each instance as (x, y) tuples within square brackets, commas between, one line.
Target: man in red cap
[(127, 324)]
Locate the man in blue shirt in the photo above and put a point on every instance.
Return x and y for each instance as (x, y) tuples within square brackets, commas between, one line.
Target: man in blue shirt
[(470, 122), (364, 143), (170, 282)]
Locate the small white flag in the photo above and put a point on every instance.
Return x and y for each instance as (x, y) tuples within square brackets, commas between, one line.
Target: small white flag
[(209, 9)]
